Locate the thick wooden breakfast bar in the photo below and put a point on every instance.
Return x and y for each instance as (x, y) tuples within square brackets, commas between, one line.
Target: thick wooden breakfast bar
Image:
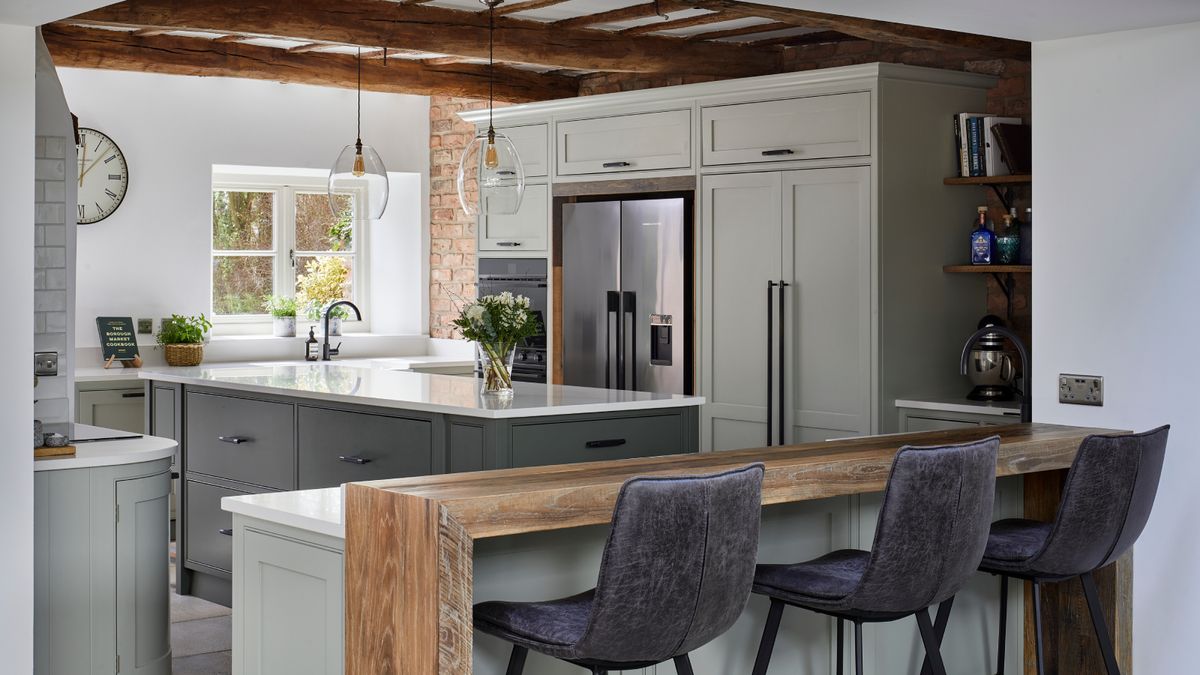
[(409, 542)]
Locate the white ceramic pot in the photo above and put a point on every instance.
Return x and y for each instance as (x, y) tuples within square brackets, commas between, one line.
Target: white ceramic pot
[(285, 326), (335, 325)]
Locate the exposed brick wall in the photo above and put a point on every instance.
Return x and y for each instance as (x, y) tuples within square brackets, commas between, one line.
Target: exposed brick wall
[(452, 246)]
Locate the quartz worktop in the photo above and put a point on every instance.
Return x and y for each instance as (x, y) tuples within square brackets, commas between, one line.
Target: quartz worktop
[(391, 387), (417, 363), (317, 511), (961, 405), (91, 454)]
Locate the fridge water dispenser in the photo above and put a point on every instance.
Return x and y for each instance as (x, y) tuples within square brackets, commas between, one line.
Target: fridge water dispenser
[(660, 339)]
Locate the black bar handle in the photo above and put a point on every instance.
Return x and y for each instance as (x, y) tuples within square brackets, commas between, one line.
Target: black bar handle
[(227, 531), (510, 244), (236, 440), (606, 443), (629, 302), (616, 165), (770, 358), (353, 459), (778, 153), (783, 285), (613, 304), (134, 394)]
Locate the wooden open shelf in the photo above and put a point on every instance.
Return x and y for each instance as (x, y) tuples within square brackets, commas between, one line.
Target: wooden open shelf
[(988, 269), (990, 180)]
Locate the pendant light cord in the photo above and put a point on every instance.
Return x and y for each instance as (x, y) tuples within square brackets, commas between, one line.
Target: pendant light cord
[(359, 134), (491, 61)]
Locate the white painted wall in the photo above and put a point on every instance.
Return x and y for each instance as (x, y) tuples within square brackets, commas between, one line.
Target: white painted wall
[(151, 257), (16, 394), (1117, 230)]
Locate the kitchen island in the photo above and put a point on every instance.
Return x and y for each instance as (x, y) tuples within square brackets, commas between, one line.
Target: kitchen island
[(250, 429)]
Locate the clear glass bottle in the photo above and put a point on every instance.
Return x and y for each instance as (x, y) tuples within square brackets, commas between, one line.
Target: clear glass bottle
[(983, 241), (1008, 243)]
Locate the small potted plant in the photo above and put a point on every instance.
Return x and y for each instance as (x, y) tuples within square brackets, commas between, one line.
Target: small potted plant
[(315, 311), (283, 315), (497, 324), (182, 339), (322, 283)]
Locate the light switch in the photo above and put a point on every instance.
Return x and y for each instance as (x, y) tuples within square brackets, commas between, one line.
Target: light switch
[(1081, 389), (45, 364)]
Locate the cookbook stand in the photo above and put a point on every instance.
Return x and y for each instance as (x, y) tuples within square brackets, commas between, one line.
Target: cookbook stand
[(135, 362)]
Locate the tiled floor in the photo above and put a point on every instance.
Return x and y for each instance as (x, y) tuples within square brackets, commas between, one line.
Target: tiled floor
[(201, 633)]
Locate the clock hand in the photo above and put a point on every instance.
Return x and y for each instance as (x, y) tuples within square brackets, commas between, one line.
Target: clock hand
[(82, 161), (85, 171)]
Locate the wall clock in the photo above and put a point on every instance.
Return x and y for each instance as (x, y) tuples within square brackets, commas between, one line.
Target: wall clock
[(103, 177)]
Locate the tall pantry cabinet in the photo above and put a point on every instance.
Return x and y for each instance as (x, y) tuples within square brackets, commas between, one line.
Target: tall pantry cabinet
[(822, 292)]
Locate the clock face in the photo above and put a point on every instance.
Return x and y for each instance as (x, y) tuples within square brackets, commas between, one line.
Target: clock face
[(103, 177)]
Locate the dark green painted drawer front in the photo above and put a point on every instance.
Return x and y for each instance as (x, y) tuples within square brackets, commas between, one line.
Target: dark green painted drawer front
[(207, 543), (265, 449), (596, 440), (374, 447)]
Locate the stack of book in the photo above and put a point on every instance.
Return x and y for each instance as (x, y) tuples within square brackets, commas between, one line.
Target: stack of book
[(990, 145)]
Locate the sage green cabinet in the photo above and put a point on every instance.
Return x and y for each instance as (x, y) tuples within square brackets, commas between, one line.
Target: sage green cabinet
[(120, 407)]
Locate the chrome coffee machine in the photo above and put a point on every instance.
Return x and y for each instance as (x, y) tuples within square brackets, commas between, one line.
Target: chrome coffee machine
[(990, 367)]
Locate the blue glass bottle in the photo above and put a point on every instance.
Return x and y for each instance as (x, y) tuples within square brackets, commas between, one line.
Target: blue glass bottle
[(983, 241)]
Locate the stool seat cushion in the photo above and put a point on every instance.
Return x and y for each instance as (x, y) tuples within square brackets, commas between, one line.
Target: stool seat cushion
[(1016, 540), (831, 577), (543, 625)]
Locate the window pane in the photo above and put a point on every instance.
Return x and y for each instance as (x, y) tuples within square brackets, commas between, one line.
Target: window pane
[(316, 227), (322, 279), (240, 284), (243, 221)]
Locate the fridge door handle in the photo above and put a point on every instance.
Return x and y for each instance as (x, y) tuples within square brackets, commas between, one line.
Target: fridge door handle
[(629, 302), (770, 359), (783, 286), (613, 310)]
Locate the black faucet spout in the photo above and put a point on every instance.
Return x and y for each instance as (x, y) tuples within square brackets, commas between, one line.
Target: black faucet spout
[(327, 353), (1024, 389)]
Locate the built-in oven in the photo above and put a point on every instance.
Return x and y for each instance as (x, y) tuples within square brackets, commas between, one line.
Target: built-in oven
[(527, 277)]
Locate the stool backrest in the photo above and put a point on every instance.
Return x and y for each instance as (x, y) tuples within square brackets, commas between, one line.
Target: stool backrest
[(932, 528), (1106, 502), (678, 565)]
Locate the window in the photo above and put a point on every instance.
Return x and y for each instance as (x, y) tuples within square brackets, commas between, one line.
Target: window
[(281, 238)]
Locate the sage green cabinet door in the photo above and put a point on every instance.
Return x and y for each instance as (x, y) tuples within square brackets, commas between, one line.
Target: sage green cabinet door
[(143, 605), (742, 242), (828, 331), (293, 607), (122, 409)]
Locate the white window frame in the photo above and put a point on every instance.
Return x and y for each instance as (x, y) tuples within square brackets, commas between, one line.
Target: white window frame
[(284, 253)]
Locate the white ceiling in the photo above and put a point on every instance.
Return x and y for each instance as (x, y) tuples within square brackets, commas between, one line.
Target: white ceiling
[(38, 12)]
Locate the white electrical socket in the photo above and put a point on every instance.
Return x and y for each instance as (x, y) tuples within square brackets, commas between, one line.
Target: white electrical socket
[(1081, 389)]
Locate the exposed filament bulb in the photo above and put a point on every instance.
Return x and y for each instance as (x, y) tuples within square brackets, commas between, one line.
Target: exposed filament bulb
[(360, 165), (491, 159)]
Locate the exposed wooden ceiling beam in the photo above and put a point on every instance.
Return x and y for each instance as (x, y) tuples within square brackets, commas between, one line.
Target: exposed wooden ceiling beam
[(877, 31), (150, 32), (513, 8), (688, 22), (631, 13), (87, 48), (817, 38), (744, 30), (231, 38), (310, 47), (442, 60), (378, 23)]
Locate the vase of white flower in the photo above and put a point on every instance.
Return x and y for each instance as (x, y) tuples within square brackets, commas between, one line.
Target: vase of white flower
[(497, 324)]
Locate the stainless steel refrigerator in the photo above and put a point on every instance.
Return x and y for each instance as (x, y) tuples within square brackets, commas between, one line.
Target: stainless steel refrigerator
[(626, 296)]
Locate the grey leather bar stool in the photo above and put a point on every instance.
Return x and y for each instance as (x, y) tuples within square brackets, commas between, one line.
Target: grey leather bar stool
[(1106, 502), (929, 539), (676, 573)]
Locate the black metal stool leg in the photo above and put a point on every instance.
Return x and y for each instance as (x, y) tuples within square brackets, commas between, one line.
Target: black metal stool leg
[(933, 648), (1000, 642), (841, 646), (858, 648), (683, 665), (939, 628), (1037, 627), (767, 645), (516, 662), (1102, 637)]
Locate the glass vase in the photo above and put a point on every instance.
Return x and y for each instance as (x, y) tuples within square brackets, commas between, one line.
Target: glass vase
[(496, 365)]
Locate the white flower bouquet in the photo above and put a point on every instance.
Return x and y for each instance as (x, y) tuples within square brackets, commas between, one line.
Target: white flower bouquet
[(497, 323)]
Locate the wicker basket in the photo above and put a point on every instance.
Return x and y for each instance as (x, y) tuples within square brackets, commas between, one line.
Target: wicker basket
[(184, 355)]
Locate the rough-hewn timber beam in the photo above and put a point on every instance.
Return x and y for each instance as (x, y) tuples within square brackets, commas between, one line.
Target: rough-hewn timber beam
[(630, 13), (672, 24), (87, 48), (744, 30), (379, 23), (878, 31), (514, 7)]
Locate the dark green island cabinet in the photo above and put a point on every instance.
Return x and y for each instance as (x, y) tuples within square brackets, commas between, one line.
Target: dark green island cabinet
[(248, 430)]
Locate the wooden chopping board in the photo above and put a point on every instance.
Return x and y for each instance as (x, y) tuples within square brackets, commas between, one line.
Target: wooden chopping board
[(46, 451)]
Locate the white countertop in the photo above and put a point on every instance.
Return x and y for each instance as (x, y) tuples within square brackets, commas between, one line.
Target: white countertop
[(381, 386), (109, 453), (962, 405), (317, 511), (117, 373)]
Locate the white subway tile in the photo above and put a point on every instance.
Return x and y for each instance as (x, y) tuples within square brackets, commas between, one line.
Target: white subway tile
[(39, 322), (39, 279), (50, 214), (39, 146), (50, 301), (51, 410), (50, 256), (55, 191), (51, 387), (56, 235), (52, 342), (39, 191), (56, 279), (56, 322), (56, 147), (49, 169)]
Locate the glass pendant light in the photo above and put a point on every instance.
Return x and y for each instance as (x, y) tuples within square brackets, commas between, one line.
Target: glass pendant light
[(491, 179), (359, 169)]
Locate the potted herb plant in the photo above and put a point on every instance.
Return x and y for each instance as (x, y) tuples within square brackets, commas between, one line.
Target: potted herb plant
[(182, 339), (283, 315), (497, 324)]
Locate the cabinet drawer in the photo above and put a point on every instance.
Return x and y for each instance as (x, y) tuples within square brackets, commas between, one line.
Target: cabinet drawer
[(596, 440), (525, 230), (241, 439), (532, 143), (814, 127), (341, 447), (640, 142), (208, 535)]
